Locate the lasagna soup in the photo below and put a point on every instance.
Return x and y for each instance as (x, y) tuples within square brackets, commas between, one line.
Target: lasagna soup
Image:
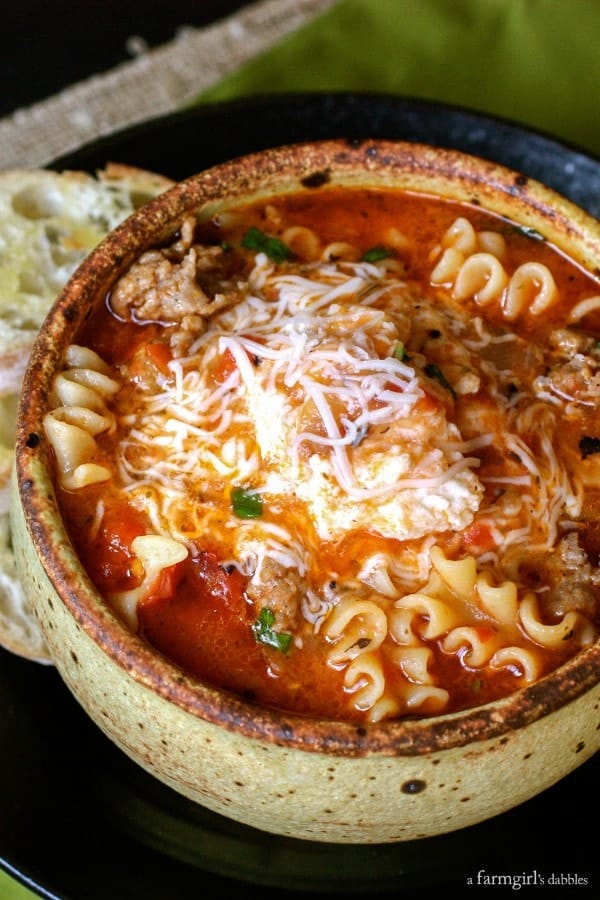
[(338, 452)]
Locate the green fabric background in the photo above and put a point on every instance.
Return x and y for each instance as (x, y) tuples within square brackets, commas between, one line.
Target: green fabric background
[(11, 890), (536, 62)]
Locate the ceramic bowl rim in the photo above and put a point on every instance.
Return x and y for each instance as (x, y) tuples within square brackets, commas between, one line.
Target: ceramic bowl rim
[(405, 737)]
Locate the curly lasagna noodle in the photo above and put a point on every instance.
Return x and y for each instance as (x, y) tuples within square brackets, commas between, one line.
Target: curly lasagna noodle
[(339, 453)]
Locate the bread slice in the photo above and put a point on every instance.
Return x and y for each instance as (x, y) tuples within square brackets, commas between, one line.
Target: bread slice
[(49, 221)]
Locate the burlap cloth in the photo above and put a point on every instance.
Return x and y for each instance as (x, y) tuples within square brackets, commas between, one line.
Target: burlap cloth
[(156, 82)]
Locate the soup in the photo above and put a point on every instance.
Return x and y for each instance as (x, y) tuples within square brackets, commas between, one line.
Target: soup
[(339, 453)]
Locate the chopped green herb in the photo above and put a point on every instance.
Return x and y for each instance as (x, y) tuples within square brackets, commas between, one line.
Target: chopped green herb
[(255, 239), (246, 504), (400, 351), (266, 634), (434, 371), (526, 231), (374, 254)]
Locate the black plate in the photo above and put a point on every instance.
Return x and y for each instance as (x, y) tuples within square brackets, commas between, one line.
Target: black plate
[(186, 142), (78, 820)]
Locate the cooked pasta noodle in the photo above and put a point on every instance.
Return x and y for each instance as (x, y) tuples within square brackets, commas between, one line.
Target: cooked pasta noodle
[(492, 242), (340, 250), (530, 287), (426, 699), (155, 554), (364, 679), (481, 277), (478, 644), (384, 708), (584, 308), (548, 635), (72, 427), (302, 241), (414, 662), (448, 267), (458, 574), (461, 236), (354, 475), (428, 618), (498, 601), (354, 626), (525, 663), (396, 239)]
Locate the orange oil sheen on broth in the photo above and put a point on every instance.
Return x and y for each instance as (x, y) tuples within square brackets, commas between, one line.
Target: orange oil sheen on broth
[(202, 612)]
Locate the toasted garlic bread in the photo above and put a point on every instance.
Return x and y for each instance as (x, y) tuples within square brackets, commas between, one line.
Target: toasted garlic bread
[(49, 221)]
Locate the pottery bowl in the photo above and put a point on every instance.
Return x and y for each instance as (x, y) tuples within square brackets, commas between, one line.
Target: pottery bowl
[(304, 775)]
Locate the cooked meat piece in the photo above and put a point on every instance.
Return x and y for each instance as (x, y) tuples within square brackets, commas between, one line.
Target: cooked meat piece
[(570, 342), (220, 272), (155, 289), (513, 355), (160, 287), (575, 581), (279, 590), (577, 379)]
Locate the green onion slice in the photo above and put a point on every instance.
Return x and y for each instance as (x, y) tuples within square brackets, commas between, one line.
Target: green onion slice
[(255, 239), (266, 634), (434, 372), (246, 504), (374, 254)]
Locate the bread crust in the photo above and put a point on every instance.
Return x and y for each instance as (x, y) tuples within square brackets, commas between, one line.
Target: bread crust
[(49, 221)]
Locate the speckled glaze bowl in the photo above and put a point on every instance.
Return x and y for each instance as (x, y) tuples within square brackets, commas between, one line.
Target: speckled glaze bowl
[(318, 780)]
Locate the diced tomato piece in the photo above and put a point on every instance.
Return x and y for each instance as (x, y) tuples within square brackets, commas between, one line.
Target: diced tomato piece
[(204, 620), (148, 360), (218, 583), (225, 366), (159, 355), (478, 537), (166, 584), (109, 559)]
